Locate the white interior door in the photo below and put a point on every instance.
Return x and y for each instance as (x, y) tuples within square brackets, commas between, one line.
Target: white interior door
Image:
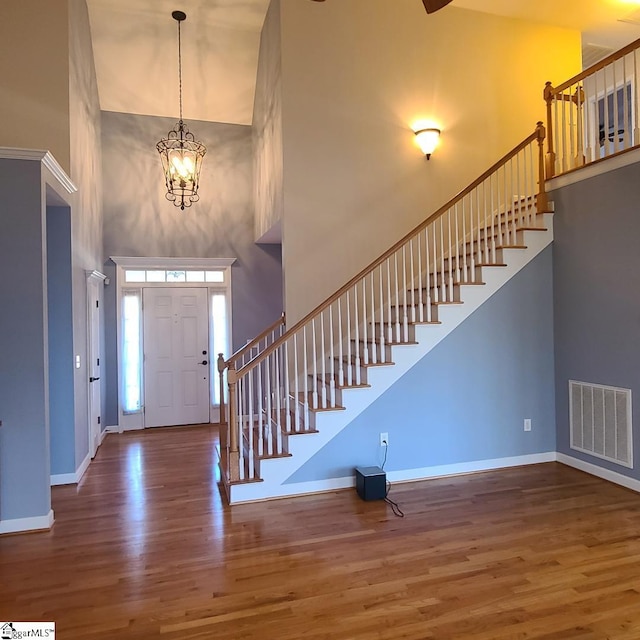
[(94, 295), (176, 360)]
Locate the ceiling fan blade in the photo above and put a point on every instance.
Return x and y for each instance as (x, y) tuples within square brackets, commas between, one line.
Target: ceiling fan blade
[(434, 5)]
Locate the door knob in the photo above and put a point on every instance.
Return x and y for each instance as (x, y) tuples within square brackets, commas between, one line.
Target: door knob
[(204, 362), (92, 379)]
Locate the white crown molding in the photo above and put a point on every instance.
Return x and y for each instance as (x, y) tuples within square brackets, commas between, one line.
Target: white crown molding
[(45, 157), (151, 262), (95, 275)]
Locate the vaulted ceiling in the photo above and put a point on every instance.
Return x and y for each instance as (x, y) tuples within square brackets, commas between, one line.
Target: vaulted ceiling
[(135, 47)]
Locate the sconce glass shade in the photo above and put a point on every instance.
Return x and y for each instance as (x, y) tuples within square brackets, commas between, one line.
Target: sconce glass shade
[(428, 140), (181, 157)]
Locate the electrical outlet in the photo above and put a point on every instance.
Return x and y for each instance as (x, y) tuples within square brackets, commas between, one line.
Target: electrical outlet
[(384, 439), (527, 424)]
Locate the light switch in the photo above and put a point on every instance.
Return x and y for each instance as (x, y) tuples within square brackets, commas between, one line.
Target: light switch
[(77, 362)]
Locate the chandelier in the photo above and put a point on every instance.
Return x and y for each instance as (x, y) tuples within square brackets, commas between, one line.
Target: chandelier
[(180, 153)]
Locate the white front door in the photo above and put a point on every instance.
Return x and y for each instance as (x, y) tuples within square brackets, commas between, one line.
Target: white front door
[(176, 356)]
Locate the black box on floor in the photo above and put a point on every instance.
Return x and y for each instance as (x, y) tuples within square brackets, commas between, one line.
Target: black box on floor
[(371, 483)]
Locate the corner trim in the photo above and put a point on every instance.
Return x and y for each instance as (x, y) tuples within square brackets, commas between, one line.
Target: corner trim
[(36, 523), (599, 472), (46, 158)]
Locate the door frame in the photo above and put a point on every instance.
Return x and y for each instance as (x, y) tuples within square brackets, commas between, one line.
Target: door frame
[(135, 419), (95, 428)]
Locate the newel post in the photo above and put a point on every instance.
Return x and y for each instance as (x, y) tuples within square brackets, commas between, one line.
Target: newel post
[(551, 155), (542, 202), (234, 452), (221, 367)]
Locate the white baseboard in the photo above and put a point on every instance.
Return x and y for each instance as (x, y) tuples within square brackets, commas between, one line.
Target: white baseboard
[(118, 429), (84, 465), (595, 470), (18, 525), (103, 435), (408, 475), (441, 471), (71, 478)]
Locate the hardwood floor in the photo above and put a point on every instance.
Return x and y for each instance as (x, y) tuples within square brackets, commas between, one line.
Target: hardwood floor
[(145, 548)]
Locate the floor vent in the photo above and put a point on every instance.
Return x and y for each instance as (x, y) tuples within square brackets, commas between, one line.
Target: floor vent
[(600, 421)]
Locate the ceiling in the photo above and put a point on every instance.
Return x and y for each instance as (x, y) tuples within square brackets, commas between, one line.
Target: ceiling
[(135, 48)]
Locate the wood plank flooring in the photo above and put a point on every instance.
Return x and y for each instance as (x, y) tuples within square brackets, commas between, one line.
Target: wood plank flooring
[(145, 548)]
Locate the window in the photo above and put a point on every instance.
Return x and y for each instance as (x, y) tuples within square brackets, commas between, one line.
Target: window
[(131, 351), (219, 339), (614, 118), (172, 276)]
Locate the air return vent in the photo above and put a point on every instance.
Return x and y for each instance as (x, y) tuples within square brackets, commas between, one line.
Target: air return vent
[(600, 421)]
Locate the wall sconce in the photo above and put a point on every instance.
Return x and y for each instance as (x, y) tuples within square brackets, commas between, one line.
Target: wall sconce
[(427, 140)]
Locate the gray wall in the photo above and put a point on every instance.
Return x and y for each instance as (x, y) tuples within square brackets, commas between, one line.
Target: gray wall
[(596, 284), (24, 435), (60, 327), (267, 128), (139, 221), (466, 400), (86, 173)]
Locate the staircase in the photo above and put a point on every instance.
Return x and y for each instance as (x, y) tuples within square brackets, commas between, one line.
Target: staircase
[(290, 397)]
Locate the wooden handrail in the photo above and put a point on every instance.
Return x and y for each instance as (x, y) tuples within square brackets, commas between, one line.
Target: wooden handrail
[(252, 343), (536, 135), (594, 68)]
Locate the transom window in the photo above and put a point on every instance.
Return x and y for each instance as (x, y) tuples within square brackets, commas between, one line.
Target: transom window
[(173, 275)]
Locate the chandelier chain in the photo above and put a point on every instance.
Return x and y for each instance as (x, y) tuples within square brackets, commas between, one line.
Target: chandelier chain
[(180, 68)]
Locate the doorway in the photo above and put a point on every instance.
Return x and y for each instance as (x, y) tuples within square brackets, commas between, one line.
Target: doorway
[(95, 284), (173, 318)]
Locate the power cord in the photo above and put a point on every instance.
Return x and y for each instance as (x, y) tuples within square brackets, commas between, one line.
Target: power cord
[(397, 511)]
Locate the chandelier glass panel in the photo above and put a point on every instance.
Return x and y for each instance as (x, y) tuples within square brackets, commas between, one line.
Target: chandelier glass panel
[(180, 152)]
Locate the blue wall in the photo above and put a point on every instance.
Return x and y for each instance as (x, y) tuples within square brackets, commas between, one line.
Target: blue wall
[(24, 435), (466, 400), (60, 326), (597, 301)]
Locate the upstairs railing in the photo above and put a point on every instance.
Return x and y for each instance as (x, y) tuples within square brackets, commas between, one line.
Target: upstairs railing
[(244, 355), (595, 114), (279, 392)]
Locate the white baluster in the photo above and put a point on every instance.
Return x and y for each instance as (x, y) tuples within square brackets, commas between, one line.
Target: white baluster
[(340, 345), (323, 368), (331, 372), (305, 368), (278, 356), (314, 360), (286, 391), (356, 328), (365, 332), (374, 341), (296, 383), (421, 295), (405, 318), (349, 356)]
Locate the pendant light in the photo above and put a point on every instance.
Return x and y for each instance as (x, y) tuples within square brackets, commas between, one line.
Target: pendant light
[(181, 154)]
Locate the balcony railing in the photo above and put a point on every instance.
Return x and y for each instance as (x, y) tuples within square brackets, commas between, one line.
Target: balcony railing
[(595, 114)]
